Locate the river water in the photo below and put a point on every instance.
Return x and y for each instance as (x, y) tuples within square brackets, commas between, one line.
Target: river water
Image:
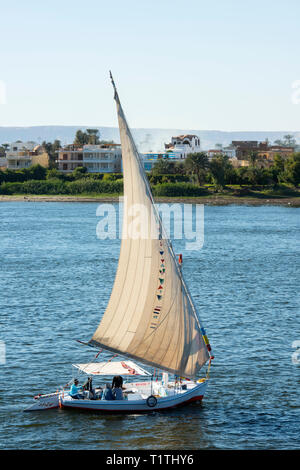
[(56, 278)]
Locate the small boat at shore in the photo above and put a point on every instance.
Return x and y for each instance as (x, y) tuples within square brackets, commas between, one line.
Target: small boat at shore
[(150, 317)]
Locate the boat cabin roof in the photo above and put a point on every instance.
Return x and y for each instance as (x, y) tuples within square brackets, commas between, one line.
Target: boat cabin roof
[(112, 368)]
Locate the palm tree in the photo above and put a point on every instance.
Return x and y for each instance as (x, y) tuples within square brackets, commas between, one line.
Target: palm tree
[(81, 138), (93, 136), (219, 168), (289, 140), (253, 157), (197, 164), (163, 166)]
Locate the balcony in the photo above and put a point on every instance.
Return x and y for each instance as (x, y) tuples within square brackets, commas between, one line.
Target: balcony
[(17, 167), (60, 160), (99, 160), (17, 156)]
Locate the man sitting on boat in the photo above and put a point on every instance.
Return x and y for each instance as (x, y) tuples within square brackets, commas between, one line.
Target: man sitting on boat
[(107, 393), (74, 390), (88, 386), (117, 387)]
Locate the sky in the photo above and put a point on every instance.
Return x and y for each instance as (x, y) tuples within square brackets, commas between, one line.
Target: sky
[(212, 65)]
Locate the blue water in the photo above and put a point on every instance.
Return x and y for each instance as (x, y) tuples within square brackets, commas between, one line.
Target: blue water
[(56, 278)]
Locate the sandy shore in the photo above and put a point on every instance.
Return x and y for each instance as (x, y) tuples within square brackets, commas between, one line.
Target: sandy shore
[(217, 200)]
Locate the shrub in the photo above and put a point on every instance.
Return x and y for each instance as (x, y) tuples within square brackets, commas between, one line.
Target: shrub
[(34, 187), (57, 186), (94, 186), (36, 172), (178, 189), (79, 172), (176, 178), (10, 188), (112, 176)]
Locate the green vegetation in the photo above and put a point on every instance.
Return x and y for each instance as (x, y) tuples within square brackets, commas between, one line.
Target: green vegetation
[(197, 164), (52, 149), (39, 180), (220, 172), (288, 141), (91, 136), (3, 149), (179, 190), (195, 177)]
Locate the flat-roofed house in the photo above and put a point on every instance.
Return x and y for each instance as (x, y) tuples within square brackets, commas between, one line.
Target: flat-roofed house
[(24, 154), (102, 158)]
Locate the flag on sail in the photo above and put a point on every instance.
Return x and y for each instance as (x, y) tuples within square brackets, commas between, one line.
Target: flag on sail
[(149, 282)]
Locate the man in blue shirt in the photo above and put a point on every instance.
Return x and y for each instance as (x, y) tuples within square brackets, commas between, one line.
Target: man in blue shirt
[(107, 394), (74, 390), (118, 393)]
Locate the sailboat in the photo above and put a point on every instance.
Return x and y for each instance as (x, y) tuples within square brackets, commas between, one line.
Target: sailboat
[(151, 321)]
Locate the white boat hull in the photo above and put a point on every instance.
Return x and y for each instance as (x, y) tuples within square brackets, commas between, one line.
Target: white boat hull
[(178, 399), (44, 402)]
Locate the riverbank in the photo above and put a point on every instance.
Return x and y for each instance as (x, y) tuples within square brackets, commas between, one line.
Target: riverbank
[(213, 200)]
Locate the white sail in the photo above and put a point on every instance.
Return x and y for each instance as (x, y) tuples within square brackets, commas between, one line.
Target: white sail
[(150, 315)]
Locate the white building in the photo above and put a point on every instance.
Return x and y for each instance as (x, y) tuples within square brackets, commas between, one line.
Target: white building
[(24, 154), (150, 158), (102, 158), (182, 145), (228, 151)]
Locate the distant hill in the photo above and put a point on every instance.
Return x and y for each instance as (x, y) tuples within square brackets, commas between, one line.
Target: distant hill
[(146, 139)]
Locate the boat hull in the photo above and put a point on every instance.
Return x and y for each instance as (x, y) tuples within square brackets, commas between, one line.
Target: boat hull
[(44, 402), (138, 406)]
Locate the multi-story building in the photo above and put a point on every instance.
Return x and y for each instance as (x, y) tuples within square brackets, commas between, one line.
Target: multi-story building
[(102, 158), (244, 147), (214, 153), (265, 153), (228, 151), (182, 145), (151, 158), (24, 154), (269, 153), (105, 158), (177, 150), (69, 158)]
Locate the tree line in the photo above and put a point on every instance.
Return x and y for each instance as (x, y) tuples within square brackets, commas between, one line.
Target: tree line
[(220, 172)]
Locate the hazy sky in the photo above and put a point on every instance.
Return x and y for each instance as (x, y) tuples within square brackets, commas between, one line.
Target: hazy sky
[(194, 64)]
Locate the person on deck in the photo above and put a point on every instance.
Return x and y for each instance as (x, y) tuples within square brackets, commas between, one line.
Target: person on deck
[(88, 385), (74, 390), (117, 388), (107, 393)]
